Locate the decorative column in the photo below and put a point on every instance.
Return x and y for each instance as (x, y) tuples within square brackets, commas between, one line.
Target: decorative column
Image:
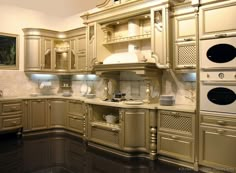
[(153, 134), (148, 92)]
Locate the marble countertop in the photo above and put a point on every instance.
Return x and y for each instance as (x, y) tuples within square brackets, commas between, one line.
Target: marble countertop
[(98, 101)]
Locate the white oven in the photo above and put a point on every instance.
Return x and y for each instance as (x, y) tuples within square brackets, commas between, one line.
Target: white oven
[(218, 92), (218, 53)]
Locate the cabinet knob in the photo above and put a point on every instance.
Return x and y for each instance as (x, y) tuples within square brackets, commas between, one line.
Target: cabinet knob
[(220, 35), (188, 39), (174, 137)]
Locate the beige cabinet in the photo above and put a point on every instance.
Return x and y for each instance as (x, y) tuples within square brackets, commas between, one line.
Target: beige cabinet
[(160, 43), (47, 53), (176, 135), (129, 133), (32, 53), (52, 51), (217, 141), (76, 116), (11, 115), (217, 20), (38, 114), (135, 121), (81, 62), (185, 48), (57, 109)]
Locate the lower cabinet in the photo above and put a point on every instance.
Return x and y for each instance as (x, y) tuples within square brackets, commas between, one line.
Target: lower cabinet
[(130, 133), (176, 135), (11, 115), (217, 141), (38, 114), (76, 116), (57, 113)]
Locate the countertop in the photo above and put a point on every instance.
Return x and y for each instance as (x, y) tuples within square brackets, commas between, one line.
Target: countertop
[(98, 101)]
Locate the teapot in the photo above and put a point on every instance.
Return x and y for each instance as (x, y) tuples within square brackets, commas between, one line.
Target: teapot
[(110, 118)]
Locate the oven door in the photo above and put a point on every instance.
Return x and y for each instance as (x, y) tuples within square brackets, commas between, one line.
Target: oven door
[(218, 53), (218, 97)]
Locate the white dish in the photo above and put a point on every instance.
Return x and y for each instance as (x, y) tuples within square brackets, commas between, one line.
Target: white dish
[(85, 89), (133, 102)]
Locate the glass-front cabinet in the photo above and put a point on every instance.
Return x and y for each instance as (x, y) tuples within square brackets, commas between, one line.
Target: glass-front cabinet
[(52, 51)]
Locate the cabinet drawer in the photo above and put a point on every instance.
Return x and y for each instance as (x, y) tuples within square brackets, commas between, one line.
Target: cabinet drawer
[(217, 147), (11, 107), (175, 146), (103, 136), (11, 122), (177, 122), (219, 121), (75, 108), (75, 124)]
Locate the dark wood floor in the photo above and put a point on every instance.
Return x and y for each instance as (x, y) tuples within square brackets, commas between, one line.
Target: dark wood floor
[(66, 154)]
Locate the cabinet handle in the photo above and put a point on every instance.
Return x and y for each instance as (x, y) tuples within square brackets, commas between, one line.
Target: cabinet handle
[(38, 100), (49, 106), (220, 131), (220, 35), (220, 122), (14, 122), (114, 130), (174, 137), (188, 39), (13, 108)]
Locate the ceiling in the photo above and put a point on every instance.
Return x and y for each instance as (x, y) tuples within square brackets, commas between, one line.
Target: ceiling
[(60, 8)]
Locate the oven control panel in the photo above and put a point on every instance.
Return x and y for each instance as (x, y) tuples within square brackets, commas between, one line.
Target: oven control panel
[(218, 76)]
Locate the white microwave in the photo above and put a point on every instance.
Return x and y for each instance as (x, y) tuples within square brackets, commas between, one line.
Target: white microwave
[(218, 53)]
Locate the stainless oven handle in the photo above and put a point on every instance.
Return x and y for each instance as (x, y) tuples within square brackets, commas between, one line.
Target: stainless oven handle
[(231, 83)]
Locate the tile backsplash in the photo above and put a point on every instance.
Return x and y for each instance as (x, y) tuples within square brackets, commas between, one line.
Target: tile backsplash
[(17, 83)]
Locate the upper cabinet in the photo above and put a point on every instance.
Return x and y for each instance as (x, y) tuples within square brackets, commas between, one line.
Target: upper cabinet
[(216, 20), (51, 51), (128, 31), (184, 35)]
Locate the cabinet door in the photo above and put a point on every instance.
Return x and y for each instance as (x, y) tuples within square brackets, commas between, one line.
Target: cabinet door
[(217, 20), (38, 115), (91, 46), (217, 148), (135, 130), (47, 53), (160, 36), (57, 113), (61, 54), (73, 54), (33, 53), (82, 53)]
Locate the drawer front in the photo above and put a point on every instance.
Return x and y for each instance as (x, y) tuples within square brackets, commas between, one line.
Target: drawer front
[(11, 107), (224, 122), (103, 136), (217, 147), (75, 124), (178, 122), (75, 108), (177, 147), (13, 122)]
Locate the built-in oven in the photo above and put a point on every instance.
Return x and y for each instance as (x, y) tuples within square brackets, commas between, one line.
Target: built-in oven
[(218, 53), (218, 92)]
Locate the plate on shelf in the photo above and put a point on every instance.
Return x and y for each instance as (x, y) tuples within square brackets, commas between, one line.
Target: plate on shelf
[(132, 102), (85, 89)]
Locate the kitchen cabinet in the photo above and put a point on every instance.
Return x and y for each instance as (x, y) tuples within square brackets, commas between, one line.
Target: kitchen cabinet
[(217, 141), (11, 115), (55, 52), (38, 114), (57, 109), (176, 133), (133, 122), (216, 21), (122, 134), (76, 116), (32, 53), (185, 46), (160, 34), (47, 53)]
